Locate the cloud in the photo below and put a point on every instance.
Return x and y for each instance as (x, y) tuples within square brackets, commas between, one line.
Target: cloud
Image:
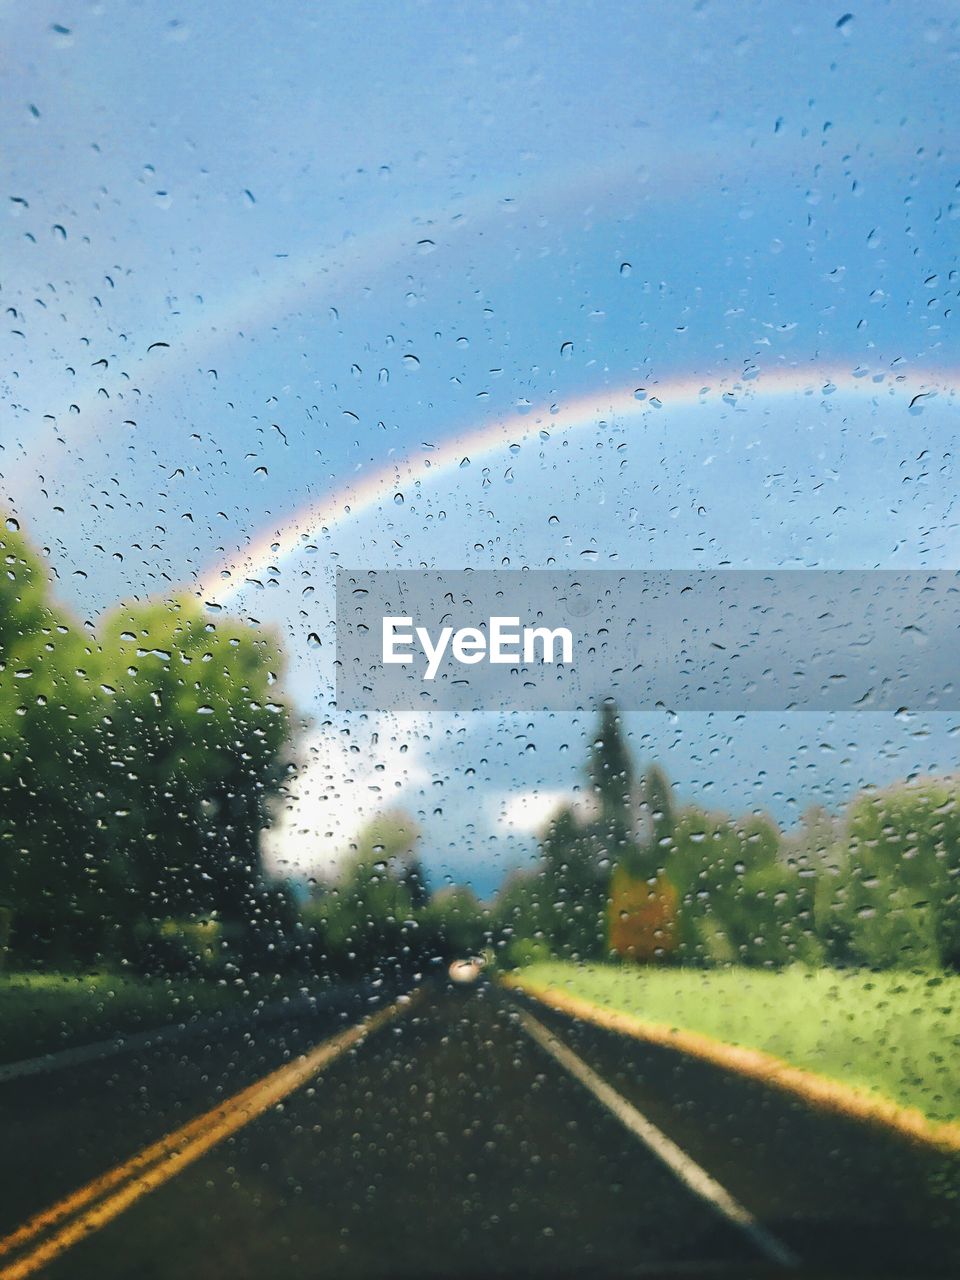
[(343, 784), (527, 812)]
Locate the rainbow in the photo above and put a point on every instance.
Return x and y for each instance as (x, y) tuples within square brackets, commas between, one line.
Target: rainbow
[(329, 274), (332, 272), (633, 403)]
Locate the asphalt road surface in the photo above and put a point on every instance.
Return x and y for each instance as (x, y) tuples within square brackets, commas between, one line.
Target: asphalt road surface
[(468, 1134)]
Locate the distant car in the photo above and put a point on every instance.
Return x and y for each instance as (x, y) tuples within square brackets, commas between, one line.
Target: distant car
[(464, 973)]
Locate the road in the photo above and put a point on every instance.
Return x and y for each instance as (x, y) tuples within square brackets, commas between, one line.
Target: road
[(455, 1139)]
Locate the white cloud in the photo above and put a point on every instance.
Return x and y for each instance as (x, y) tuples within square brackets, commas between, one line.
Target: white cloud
[(343, 783), (527, 812)]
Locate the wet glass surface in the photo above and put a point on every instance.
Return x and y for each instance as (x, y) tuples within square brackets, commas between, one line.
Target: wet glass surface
[(633, 957)]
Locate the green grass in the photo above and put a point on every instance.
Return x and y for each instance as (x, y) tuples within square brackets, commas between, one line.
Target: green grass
[(896, 1034), (44, 1013)]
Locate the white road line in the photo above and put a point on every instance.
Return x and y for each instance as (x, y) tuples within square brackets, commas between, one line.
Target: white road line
[(129, 1042), (75, 1056), (685, 1169)]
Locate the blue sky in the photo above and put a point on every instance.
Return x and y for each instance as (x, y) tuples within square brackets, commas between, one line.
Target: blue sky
[(368, 228)]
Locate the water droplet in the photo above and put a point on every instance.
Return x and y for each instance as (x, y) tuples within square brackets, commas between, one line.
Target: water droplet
[(12, 525), (566, 351)]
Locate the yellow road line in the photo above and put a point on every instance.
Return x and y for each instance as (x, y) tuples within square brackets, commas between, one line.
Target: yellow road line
[(817, 1090), (114, 1191)]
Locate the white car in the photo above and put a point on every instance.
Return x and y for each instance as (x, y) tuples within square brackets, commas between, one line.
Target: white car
[(464, 973)]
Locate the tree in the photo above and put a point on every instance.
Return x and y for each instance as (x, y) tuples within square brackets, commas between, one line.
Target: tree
[(574, 887), (53, 766), (609, 842), (453, 925), (366, 920), (136, 768), (197, 734), (641, 916), (642, 911), (656, 805), (413, 876), (520, 919), (739, 899), (610, 774), (894, 898)]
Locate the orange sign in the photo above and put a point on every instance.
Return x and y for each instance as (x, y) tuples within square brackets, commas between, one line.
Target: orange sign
[(641, 916)]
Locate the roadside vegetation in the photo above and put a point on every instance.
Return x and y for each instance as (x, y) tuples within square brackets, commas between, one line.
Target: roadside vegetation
[(141, 761), (44, 1013), (638, 874), (138, 762), (834, 948), (892, 1033)]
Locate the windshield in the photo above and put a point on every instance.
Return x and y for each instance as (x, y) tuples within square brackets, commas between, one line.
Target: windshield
[(478, 695)]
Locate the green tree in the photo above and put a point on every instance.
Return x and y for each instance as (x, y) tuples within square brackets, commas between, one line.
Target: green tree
[(136, 768), (197, 733), (521, 918), (656, 807), (894, 898), (366, 921), (453, 925), (610, 774), (413, 875), (608, 839), (53, 767), (573, 887), (740, 900)]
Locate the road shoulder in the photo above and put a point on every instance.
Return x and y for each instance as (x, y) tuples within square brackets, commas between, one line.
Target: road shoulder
[(816, 1090)]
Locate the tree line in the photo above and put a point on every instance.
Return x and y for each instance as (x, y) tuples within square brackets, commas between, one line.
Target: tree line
[(138, 761), (381, 912), (637, 876), (141, 759)]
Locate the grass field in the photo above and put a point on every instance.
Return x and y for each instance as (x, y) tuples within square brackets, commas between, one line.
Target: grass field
[(40, 1014), (895, 1034)]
